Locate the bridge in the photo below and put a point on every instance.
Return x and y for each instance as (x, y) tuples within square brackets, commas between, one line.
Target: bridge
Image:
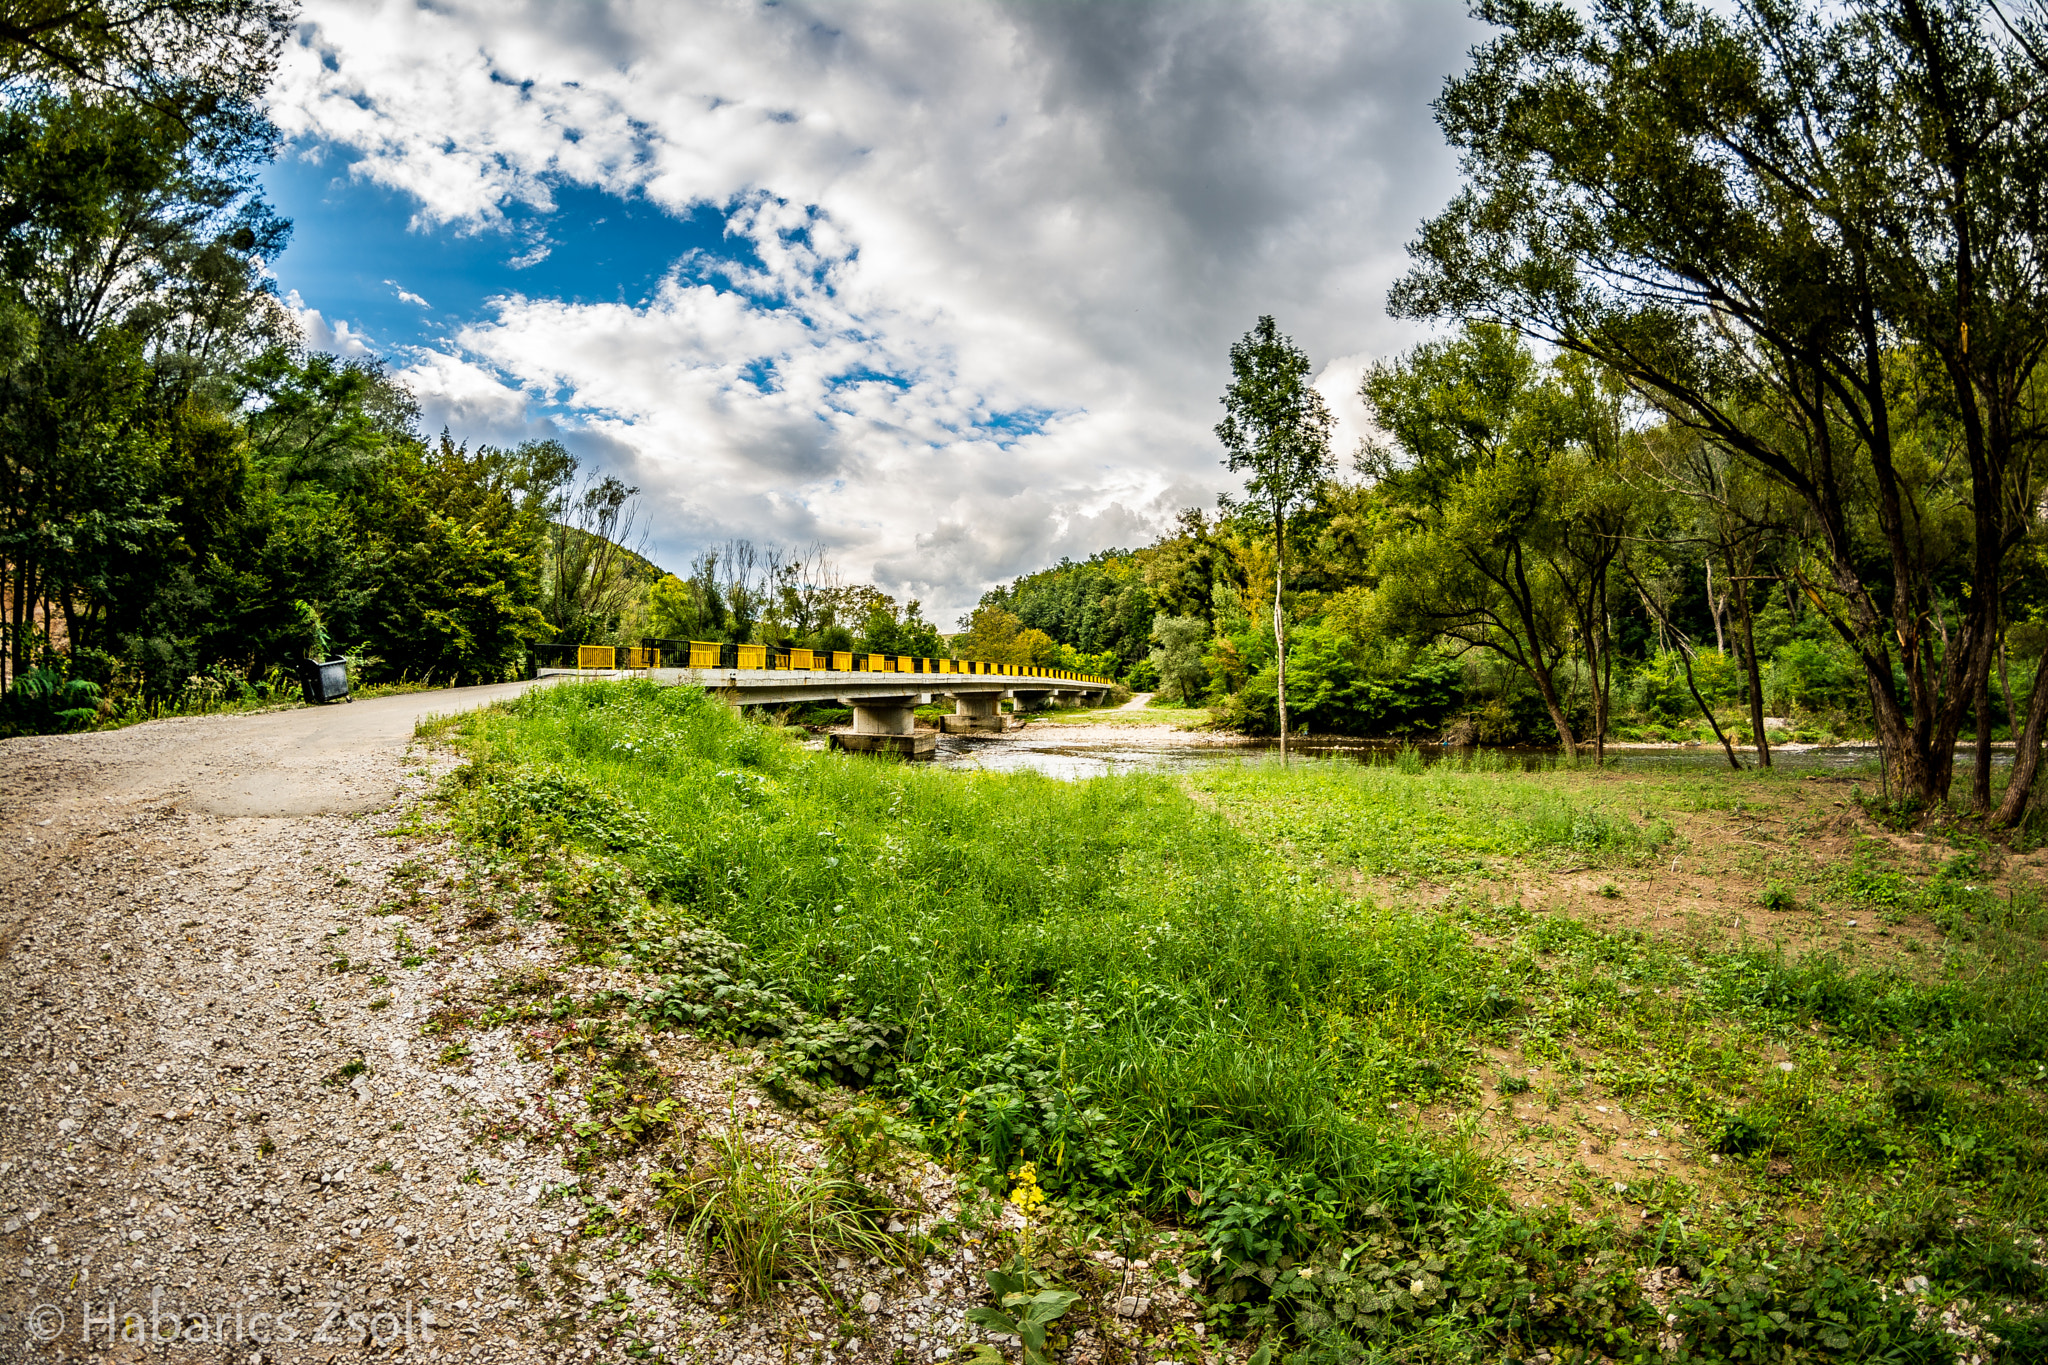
[(884, 690)]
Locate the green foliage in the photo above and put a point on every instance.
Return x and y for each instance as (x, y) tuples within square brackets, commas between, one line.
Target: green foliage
[(1815, 678), (1337, 686), (1176, 658), (1709, 200), (1026, 1305), (1100, 606), (762, 1217), (44, 701), (1800, 1304), (1659, 692), (179, 483), (1511, 515)]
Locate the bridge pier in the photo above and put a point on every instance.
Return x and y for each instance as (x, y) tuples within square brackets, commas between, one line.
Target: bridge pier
[(975, 713), (887, 725), (1033, 699)]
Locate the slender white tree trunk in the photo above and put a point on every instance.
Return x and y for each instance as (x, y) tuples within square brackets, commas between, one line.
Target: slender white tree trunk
[(1280, 626)]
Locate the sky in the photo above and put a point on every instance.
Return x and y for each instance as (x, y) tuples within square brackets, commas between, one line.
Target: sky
[(945, 287)]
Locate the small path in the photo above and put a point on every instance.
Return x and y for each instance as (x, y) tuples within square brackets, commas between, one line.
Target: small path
[(197, 1113), (1138, 702)]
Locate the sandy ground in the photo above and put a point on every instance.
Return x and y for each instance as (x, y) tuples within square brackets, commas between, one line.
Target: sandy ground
[(233, 1126)]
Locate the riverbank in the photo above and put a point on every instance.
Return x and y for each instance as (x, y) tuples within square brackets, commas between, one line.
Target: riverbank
[(1688, 1047)]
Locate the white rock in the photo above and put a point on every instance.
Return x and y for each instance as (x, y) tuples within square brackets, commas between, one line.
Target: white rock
[(870, 1302)]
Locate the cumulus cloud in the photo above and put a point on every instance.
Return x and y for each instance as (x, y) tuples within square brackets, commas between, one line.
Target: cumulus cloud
[(335, 337), (994, 255)]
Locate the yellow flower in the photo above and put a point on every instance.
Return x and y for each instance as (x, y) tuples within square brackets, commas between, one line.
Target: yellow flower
[(1026, 1195)]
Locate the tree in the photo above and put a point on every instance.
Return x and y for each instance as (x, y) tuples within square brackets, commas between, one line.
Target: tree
[(168, 53), (1510, 521), (1177, 655), (131, 250), (1772, 225), (992, 635), (1276, 429), (588, 577)]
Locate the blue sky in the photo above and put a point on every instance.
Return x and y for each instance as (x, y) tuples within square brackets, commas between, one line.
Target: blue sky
[(947, 290), (356, 252)]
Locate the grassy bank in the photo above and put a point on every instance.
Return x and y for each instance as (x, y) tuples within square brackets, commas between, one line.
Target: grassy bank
[(1314, 1015)]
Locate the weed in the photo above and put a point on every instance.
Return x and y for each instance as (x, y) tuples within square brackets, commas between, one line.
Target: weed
[(345, 1073), (764, 1218), (1777, 896), (868, 1138), (1026, 1305)]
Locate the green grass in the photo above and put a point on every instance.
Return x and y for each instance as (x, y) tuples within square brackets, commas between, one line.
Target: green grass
[(1158, 992), (1186, 717), (1416, 819)]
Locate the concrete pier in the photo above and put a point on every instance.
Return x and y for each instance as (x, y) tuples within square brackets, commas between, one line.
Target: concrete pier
[(887, 725), (975, 713)]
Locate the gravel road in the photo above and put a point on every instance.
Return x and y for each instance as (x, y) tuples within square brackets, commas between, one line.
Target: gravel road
[(228, 1132)]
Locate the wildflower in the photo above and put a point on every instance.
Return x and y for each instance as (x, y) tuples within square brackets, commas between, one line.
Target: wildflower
[(1027, 1196)]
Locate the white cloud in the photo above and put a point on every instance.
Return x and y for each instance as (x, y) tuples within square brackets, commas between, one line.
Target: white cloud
[(334, 337), (1064, 210), (406, 295)]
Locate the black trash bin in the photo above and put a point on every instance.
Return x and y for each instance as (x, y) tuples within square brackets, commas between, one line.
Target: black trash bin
[(324, 680)]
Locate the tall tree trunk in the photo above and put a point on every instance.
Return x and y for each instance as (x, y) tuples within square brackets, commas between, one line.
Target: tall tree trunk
[(1280, 627), (1714, 609), (1747, 620), (2026, 759), (1980, 777), (1596, 644), (1566, 743)]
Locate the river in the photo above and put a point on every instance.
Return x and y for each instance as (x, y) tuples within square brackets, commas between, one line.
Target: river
[(1079, 751)]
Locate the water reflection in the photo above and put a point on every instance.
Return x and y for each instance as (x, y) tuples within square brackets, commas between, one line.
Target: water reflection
[(1073, 753)]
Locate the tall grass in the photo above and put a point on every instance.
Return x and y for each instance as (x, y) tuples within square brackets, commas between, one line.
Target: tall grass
[(1105, 978), (1148, 988)]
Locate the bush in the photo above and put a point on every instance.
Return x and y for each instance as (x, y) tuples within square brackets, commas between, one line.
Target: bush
[(1812, 677), (1333, 689), (1658, 690), (43, 701)]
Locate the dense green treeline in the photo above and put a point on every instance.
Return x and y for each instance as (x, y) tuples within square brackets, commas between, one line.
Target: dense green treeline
[(1739, 402), (189, 501)]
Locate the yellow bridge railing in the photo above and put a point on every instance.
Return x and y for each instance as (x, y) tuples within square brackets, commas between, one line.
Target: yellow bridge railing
[(714, 654)]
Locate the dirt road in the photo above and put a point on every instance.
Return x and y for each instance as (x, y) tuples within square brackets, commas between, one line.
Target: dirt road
[(211, 1140)]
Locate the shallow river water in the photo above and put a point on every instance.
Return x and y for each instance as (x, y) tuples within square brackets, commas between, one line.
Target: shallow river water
[(1073, 752)]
